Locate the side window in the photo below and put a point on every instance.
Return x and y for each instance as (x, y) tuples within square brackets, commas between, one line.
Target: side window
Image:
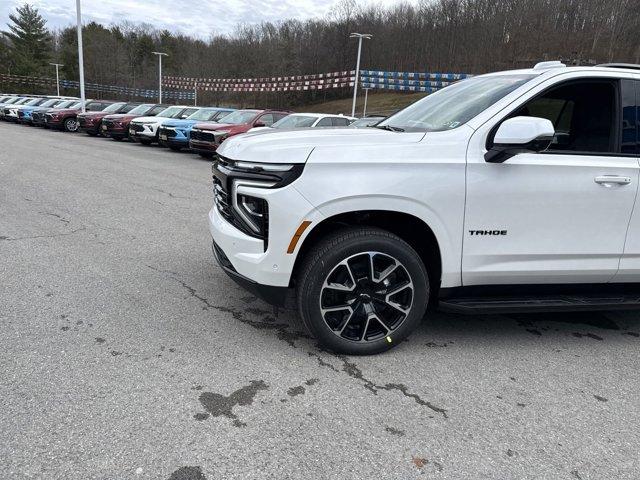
[(156, 110), (325, 122), (267, 119), (188, 111), (340, 122), (95, 106), (582, 113)]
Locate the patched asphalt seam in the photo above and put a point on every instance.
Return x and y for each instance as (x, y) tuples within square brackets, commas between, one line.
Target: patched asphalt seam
[(53, 235), (351, 369)]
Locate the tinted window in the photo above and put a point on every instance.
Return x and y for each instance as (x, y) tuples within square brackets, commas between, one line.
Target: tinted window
[(220, 114), (95, 106), (113, 108), (156, 110), (128, 107), (582, 114), (325, 122), (188, 111), (267, 119), (340, 122)]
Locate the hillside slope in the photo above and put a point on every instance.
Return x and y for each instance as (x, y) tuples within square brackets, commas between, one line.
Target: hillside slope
[(384, 103)]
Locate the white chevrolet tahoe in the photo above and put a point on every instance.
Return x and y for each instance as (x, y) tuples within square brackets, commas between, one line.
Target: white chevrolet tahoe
[(512, 191)]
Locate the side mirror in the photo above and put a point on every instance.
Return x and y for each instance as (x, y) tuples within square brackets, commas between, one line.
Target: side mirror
[(519, 135), (259, 124)]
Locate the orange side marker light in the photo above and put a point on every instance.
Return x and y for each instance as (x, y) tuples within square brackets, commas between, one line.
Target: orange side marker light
[(296, 236)]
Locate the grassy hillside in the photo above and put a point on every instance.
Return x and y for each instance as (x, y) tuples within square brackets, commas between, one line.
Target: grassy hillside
[(383, 103)]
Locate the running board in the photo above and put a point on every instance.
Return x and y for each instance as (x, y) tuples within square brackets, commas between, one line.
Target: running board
[(551, 303)]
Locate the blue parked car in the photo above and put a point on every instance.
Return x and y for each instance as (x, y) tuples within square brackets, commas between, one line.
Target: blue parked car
[(175, 133), (24, 113)]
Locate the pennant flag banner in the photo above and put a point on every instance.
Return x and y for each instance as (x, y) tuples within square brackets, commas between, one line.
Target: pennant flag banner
[(401, 81), (94, 87), (184, 88), (319, 81)]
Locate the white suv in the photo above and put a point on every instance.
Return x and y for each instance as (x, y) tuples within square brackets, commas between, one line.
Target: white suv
[(512, 191)]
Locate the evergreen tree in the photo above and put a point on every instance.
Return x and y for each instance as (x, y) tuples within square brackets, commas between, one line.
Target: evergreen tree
[(30, 41)]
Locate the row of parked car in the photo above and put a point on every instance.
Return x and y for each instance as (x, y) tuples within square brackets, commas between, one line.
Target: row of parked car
[(200, 129)]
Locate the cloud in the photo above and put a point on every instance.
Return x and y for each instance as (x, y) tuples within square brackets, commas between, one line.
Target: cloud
[(198, 18)]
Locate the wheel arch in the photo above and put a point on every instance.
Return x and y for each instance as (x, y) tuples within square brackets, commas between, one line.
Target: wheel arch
[(410, 228)]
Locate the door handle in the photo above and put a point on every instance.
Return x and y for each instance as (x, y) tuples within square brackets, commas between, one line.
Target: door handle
[(610, 180)]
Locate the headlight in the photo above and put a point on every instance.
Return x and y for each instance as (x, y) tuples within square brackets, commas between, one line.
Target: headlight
[(220, 135)]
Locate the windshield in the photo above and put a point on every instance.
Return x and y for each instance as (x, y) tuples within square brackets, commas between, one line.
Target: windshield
[(64, 104), (240, 116), (141, 109), (22, 101), (366, 122), (35, 101), (12, 100), (50, 103), (454, 105), (114, 107), (73, 105), (171, 112), (203, 115), (295, 121)]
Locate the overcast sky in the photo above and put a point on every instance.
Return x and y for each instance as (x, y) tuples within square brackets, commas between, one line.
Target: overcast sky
[(198, 18)]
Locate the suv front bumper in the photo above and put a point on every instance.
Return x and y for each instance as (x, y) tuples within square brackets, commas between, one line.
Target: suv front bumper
[(245, 256)]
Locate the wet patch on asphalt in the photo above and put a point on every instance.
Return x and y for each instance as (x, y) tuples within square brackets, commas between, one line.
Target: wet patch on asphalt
[(188, 473), (217, 405)]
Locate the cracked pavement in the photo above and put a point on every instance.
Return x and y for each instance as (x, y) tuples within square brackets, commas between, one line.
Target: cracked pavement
[(127, 353)]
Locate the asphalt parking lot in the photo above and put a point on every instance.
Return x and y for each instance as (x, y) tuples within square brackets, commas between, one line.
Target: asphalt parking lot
[(128, 354)]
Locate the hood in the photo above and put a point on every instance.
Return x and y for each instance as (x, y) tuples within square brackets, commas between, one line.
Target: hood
[(150, 119), (180, 123), (120, 116), (92, 114), (218, 126), (295, 146)]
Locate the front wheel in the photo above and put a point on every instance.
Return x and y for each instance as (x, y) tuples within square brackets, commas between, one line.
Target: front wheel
[(145, 141), (70, 125), (362, 291)]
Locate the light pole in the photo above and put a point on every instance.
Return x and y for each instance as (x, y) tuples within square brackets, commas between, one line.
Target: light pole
[(160, 55), (80, 58), (359, 36), (57, 65), (366, 96)]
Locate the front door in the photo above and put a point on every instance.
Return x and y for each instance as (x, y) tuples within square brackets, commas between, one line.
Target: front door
[(559, 216)]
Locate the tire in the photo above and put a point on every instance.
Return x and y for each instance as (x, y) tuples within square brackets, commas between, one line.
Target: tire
[(337, 272), (208, 156), (70, 125), (117, 138), (144, 141), (175, 148), (92, 134)]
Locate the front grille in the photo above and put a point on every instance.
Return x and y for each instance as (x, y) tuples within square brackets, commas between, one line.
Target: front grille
[(37, 116), (107, 123), (170, 133), (202, 136), (6, 111), (82, 121), (222, 201), (136, 127), (20, 114)]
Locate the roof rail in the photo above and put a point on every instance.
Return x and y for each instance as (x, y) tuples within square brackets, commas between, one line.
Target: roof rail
[(632, 66), (548, 65)]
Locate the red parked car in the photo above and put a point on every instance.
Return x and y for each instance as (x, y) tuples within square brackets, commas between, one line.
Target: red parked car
[(206, 137), (67, 118), (89, 122), (116, 126)]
